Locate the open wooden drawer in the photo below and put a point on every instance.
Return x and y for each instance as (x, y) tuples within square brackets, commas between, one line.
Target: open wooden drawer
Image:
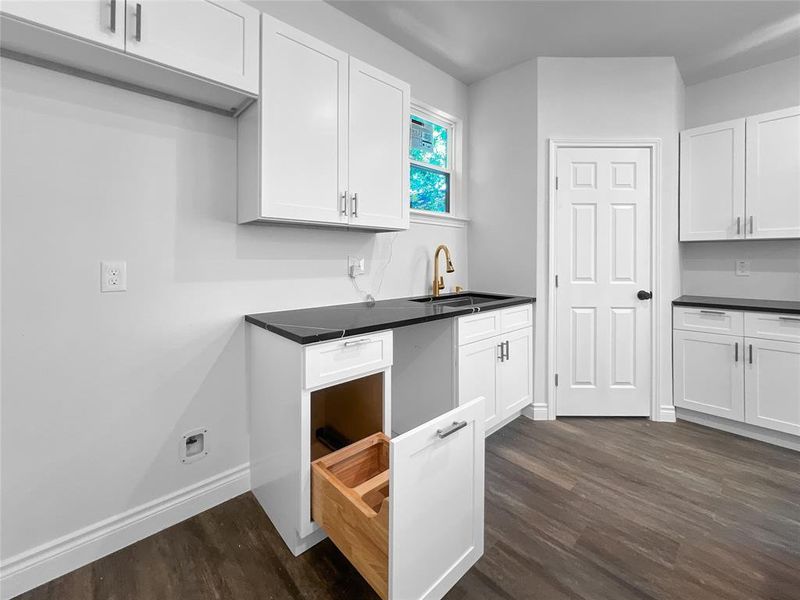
[(407, 512)]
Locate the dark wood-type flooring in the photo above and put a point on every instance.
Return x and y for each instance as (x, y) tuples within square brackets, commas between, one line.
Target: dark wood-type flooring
[(612, 509)]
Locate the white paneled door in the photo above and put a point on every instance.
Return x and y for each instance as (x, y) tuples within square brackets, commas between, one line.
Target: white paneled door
[(602, 256)]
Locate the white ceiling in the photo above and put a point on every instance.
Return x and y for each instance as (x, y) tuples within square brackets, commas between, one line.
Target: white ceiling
[(474, 39)]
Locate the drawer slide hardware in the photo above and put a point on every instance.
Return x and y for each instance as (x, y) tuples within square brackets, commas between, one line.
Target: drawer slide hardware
[(451, 429)]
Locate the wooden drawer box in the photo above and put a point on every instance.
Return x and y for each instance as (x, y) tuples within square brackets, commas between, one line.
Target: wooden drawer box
[(407, 512), (708, 320), (329, 362), (784, 328), (350, 501)]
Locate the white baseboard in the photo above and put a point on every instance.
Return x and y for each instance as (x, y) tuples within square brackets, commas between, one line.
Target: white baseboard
[(666, 414), (778, 438), (43, 563), (536, 412)]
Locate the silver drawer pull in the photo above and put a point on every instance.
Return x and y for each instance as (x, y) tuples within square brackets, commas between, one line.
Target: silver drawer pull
[(712, 312), (359, 342), (795, 319), (443, 433)]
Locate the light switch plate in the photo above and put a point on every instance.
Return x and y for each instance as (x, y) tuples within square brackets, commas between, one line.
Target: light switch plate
[(743, 268), (113, 276)]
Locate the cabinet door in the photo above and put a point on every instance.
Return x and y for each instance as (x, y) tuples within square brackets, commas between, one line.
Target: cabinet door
[(709, 373), (477, 376), (436, 503), (773, 174), (712, 182), (378, 143), (304, 126), (100, 21), (772, 385), (215, 40), (515, 372)]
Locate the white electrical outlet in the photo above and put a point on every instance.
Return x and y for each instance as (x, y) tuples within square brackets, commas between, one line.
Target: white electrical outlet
[(355, 266), (743, 268), (113, 276)]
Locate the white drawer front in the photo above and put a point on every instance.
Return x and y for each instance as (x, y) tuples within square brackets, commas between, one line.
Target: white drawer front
[(516, 317), (330, 362), (772, 326), (710, 320), (479, 326)]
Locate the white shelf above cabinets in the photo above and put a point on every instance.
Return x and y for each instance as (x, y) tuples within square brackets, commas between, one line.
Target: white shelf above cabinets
[(327, 144), (145, 46), (740, 179)]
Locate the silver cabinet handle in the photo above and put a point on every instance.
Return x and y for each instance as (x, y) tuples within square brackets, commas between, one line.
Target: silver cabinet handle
[(113, 21), (359, 342), (751, 224), (751, 354), (354, 199), (795, 319), (508, 356), (738, 225), (712, 312), (736, 353), (502, 355), (343, 203), (450, 429), (138, 35)]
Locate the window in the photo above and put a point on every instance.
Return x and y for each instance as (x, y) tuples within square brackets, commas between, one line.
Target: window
[(431, 154)]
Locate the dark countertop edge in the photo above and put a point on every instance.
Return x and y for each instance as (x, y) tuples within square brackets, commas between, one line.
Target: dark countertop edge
[(753, 305), (337, 334)]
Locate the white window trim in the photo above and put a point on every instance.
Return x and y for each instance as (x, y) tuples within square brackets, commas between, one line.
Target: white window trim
[(455, 216)]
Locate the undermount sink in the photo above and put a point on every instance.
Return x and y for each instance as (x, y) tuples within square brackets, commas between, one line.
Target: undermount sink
[(456, 300)]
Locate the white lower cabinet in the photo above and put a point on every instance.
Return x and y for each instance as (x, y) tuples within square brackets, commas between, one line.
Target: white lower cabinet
[(478, 375), (772, 385), (497, 368), (406, 511), (750, 376), (709, 376)]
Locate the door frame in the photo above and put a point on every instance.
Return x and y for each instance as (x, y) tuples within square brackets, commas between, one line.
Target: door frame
[(654, 146)]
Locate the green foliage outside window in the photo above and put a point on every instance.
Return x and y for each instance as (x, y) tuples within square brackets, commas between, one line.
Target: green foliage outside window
[(430, 187)]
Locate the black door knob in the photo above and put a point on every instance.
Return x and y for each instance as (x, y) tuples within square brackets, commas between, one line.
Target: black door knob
[(643, 295)]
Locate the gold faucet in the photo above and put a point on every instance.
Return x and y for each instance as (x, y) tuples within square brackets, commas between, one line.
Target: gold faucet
[(438, 280)]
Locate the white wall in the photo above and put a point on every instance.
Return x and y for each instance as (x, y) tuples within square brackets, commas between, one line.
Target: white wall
[(97, 389), (502, 181), (612, 98), (762, 89), (708, 268)]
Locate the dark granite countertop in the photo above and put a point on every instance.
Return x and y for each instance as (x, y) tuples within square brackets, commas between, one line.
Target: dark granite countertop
[(781, 306), (309, 325)]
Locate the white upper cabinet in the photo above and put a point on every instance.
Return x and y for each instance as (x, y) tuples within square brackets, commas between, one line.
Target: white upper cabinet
[(741, 179), (328, 142), (712, 182), (378, 144), (304, 110), (773, 174), (100, 21), (209, 39), (195, 52)]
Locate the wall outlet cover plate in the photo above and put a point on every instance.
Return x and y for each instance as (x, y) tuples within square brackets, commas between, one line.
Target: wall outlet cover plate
[(742, 268), (113, 276)]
